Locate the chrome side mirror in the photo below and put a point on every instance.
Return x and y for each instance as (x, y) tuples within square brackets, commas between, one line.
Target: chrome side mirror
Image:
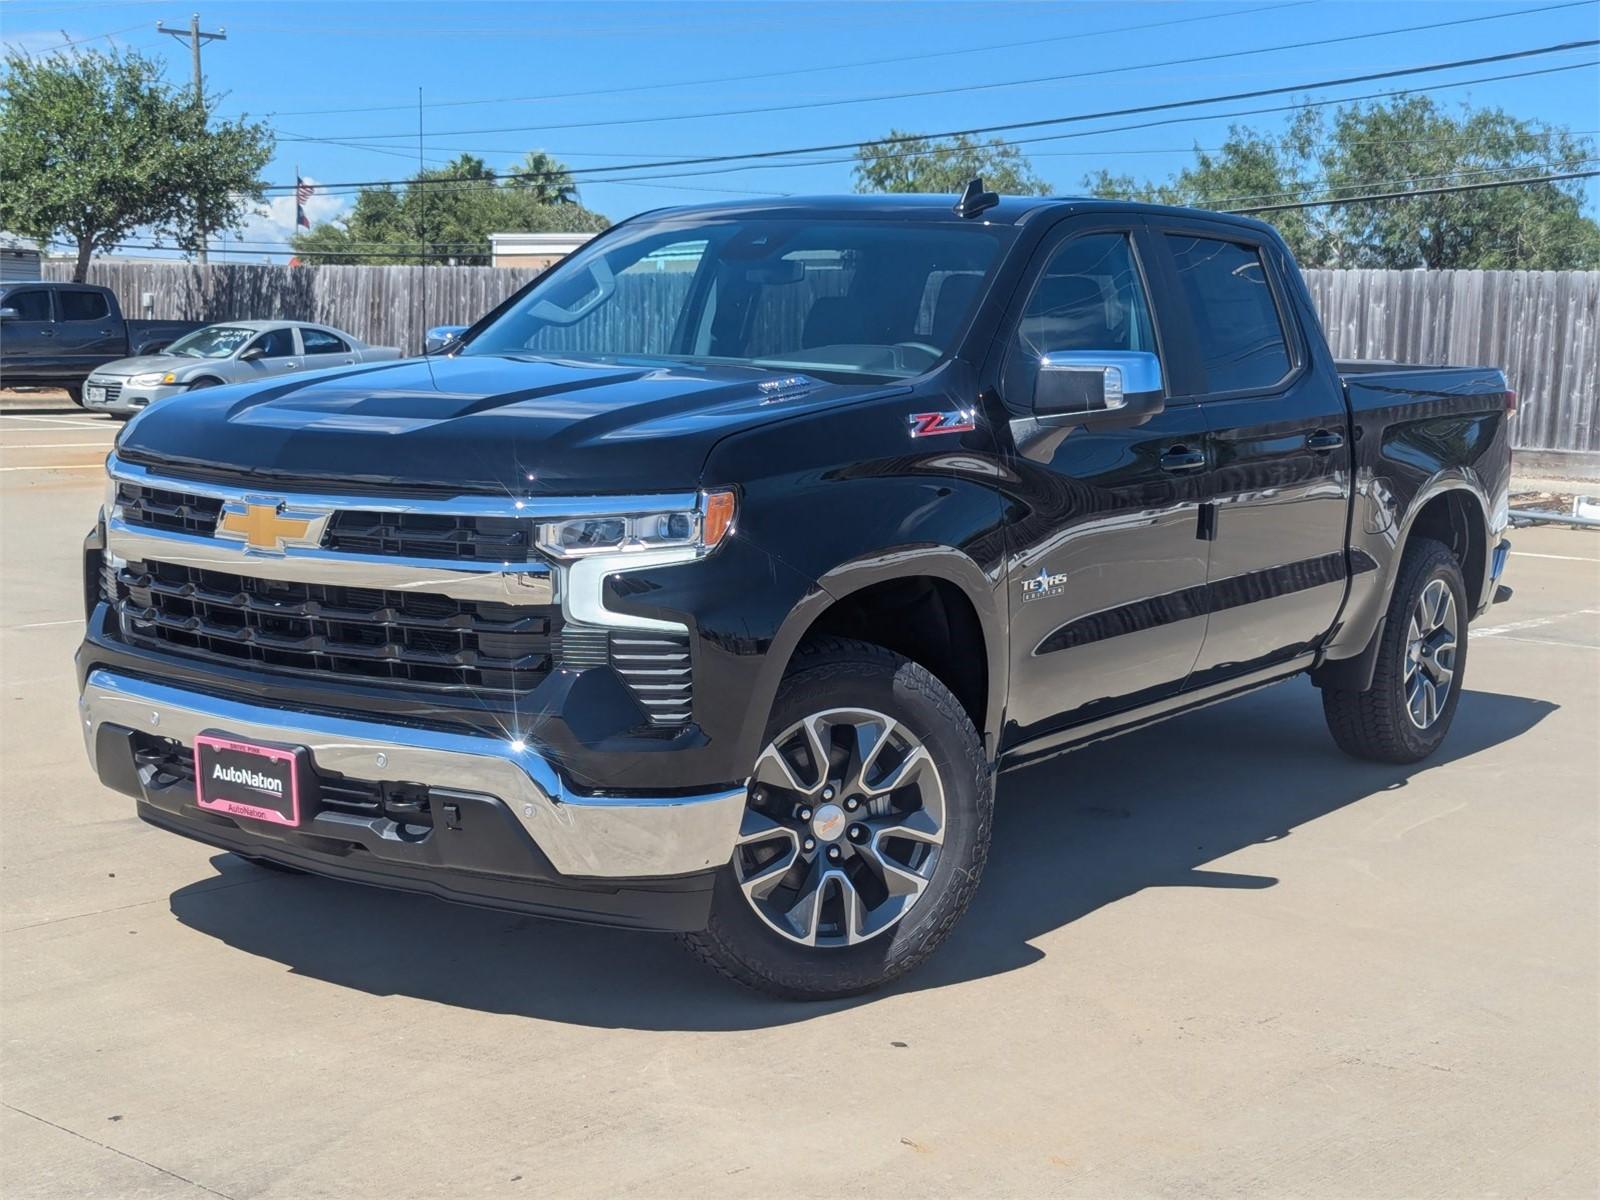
[(1098, 387), (442, 337)]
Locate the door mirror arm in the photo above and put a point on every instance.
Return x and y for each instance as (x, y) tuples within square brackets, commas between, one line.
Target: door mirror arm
[(252, 354)]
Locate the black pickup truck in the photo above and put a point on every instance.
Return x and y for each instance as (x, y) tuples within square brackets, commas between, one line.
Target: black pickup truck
[(708, 582), (55, 334)]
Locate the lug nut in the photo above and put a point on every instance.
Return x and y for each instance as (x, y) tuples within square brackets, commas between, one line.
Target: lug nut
[(858, 833), (809, 844), (827, 793), (853, 803), (804, 814), (833, 854), (759, 796)]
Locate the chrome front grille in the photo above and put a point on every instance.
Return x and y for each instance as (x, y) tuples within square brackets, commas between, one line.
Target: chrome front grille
[(112, 388), (160, 508), (657, 669)]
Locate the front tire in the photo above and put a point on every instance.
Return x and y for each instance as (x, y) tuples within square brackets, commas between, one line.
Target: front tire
[(1422, 660), (74, 393), (865, 834)]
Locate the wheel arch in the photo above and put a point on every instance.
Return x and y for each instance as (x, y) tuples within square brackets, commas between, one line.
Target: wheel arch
[(932, 604)]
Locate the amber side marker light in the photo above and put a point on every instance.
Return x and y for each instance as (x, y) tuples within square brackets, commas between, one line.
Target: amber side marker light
[(718, 518)]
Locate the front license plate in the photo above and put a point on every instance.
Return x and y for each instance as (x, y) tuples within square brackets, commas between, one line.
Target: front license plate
[(97, 394), (247, 779)]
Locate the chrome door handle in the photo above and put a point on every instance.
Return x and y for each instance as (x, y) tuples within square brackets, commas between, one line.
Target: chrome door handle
[(1324, 440), (1182, 458)]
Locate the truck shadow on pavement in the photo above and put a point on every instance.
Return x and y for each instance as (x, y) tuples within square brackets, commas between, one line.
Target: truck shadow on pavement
[(1150, 809)]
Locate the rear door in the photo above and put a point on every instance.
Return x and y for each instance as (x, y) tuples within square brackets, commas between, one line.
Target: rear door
[(325, 349), (87, 332), (1280, 477), (1106, 571), (28, 346)]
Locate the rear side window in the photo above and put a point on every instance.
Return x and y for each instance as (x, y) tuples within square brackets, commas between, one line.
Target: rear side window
[(1236, 319), (319, 341), (30, 306), (84, 306)]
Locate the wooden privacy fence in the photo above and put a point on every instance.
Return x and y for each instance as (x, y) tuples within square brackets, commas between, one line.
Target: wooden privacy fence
[(1542, 327)]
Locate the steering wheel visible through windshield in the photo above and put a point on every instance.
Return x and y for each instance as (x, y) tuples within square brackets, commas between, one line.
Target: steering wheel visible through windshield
[(836, 298), (214, 341)]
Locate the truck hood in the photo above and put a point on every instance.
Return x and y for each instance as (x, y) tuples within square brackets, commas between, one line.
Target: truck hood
[(493, 424)]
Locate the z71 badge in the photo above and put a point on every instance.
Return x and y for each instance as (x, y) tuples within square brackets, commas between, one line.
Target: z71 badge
[(1043, 584), (962, 420)]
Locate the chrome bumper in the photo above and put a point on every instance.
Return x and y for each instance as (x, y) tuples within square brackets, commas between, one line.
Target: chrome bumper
[(582, 836)]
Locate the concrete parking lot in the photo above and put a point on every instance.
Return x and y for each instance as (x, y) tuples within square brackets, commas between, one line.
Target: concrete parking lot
[(1211, 958)]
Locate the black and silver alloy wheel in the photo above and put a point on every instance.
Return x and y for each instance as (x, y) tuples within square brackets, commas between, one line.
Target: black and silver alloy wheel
[(843, 828), (865, 829), (1421, 662), (1430, 653)]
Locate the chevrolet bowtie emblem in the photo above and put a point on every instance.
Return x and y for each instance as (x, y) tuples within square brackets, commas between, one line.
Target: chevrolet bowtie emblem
[(267, 526)]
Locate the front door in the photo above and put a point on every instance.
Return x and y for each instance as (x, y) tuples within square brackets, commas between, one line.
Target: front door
[(28, 342), (1280, 477), (1106, 568), (85, 331)]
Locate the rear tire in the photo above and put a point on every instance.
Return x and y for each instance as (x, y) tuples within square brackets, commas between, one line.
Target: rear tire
[(874, 894), (74, 393), (1422, 662)]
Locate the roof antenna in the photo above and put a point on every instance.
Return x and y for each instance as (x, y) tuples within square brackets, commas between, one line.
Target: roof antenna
[(975, 201)]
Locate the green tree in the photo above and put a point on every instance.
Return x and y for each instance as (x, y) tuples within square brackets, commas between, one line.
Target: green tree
[(1413, 143), (445, 214), (95, 145), (547, 178), (904, 162), (1404, 144)]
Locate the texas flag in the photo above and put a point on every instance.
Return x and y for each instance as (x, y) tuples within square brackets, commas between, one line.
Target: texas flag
[(302, 193)]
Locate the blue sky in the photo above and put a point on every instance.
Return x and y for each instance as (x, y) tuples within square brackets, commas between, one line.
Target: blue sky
[(282, 59)]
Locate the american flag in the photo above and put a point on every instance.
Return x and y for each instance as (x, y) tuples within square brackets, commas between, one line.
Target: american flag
[(302, 193)]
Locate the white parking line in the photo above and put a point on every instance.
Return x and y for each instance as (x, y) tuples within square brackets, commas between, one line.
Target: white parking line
[(47, 624), (61, 467), (1532, 623), (76, 445), (1557, 557), (69, 422)]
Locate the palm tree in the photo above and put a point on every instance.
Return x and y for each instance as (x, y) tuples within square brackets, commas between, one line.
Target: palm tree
[(548, 178)]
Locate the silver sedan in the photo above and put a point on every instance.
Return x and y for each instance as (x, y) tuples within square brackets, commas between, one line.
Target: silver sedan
[(234, 352)]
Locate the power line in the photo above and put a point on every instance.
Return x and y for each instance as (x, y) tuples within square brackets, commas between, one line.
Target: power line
[(763, 75), (765, 156), (947, 90), (1412, 195), (83, 41)]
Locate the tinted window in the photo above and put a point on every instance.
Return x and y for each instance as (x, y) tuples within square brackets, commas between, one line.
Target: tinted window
[(319, 341), (1235, 317), (83, 306), (30, 306), (278, 343), (1089, 297)]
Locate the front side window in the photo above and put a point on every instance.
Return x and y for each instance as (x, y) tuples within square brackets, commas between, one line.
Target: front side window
[(1235, 317), (1089, 297), (84, 306), (832, 297), (214, 341), (320, 341), (276, 343), (30, 306)]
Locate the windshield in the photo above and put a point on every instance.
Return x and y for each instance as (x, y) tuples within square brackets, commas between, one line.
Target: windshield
[(832, 297), (215, 341)]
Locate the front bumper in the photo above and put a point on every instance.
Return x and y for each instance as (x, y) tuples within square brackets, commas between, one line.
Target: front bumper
[(503, 823), (127, 398)]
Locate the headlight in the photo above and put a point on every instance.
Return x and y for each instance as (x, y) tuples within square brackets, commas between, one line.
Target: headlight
[(153, 379), (700, 530)]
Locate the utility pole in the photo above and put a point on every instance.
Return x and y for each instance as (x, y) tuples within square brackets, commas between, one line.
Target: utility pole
[(197, 37)]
